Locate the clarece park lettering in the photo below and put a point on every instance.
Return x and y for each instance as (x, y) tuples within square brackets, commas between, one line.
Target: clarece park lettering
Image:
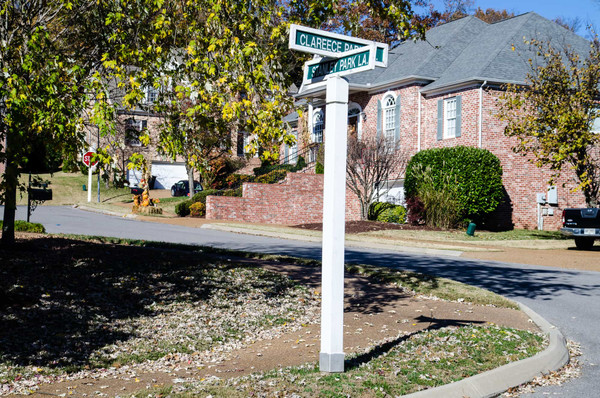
[(329, 67), (324, 43)]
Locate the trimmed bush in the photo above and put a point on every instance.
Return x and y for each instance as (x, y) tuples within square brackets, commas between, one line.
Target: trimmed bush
[(183, 209), (24, 226), (395, 214), (201, 196), (376, 208), (198, 209), (470, 176)]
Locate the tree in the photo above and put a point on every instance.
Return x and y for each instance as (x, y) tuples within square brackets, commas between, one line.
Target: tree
[(553, 115), (41, 89), (491, 15), (370, 163), (54, 57)]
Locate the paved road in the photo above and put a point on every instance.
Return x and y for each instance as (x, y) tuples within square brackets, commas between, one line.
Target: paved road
[(566, 298)]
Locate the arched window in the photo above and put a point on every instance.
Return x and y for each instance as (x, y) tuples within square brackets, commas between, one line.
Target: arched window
[(389, 118), (318, 126), (354, 122)]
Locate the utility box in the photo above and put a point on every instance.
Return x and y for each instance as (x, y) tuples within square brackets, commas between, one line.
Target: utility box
[(541, 198), (552, 195)]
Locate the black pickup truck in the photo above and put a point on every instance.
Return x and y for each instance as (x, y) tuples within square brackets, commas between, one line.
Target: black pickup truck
[(583, 225)]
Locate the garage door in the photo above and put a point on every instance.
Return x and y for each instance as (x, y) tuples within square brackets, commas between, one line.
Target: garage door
[(166, 174)]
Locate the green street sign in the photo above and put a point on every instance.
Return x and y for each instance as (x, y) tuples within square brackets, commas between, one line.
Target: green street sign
[(327, 44), (350, 62)]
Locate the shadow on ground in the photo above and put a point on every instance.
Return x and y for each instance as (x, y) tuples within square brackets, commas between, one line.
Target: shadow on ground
[(61, 299)]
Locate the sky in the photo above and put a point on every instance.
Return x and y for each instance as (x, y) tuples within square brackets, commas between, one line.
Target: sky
[(587, 10)]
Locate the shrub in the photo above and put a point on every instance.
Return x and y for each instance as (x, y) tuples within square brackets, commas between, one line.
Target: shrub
[(415, 211), (469, 179), (232, 192), (376, 208), (272, 177), (183, 209), (319, 168), (266, 169), (201, 196), (300, 164), (197, 209), (395, 214), (24, 226), (236, 180)]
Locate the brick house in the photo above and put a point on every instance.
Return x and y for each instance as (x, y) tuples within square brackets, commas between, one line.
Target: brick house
[(443, 92)]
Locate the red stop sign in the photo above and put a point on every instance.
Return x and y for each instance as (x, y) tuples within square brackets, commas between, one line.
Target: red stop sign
[(88, 157)]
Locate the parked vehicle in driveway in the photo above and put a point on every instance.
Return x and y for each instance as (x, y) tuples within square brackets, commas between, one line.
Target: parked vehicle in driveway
[(182, 188), (583, 225)]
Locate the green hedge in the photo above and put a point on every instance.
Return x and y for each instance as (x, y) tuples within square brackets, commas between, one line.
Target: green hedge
[(376, 208), (24, 226), (473, 174), (396, 214), (183, 209)]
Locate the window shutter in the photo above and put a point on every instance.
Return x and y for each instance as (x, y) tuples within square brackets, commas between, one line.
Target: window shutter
[(458, 111), (397, 121), (379, 121), (286, 154), (440, 124)]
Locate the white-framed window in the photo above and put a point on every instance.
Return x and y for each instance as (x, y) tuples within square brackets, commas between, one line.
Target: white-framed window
[(354, 122), (450, 118), (151, 95), (389, 118), (133, 128), (318, 126)]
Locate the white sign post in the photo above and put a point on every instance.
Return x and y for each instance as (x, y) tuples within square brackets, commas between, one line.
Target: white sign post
[(331, 358), (343, 56)]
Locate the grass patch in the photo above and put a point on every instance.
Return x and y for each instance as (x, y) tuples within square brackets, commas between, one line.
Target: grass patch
[(24, 226), (461, 236), (401, 366), (67, 189)]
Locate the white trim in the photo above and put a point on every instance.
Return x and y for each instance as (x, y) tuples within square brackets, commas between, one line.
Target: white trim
[(384, 116), (446, 133), (418, 121), (480, 132), (317, 138)]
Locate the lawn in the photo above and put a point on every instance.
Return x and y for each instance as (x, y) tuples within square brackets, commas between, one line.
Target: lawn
[(72, 306), (67, 189)]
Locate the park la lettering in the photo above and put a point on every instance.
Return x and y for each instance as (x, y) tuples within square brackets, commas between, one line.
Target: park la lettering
[(339, 65), (325, 44)]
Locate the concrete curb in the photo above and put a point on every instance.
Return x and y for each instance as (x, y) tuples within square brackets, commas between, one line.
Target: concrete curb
[(349, 243), (494, 382), (102, 211)]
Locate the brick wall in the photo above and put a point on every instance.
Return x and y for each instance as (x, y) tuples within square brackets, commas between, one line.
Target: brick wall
[(297, 200)]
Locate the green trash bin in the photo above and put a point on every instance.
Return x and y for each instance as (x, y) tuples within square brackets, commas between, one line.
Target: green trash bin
[(471, 229)]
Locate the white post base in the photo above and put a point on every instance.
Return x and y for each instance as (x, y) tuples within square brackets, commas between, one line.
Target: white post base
[(331, 358), (332, 363)]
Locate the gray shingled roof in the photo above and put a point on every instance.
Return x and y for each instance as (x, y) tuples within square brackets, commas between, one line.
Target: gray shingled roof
[(469, 50)]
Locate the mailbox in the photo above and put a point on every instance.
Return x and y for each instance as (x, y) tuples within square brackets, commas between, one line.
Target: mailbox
[(40, 194)]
